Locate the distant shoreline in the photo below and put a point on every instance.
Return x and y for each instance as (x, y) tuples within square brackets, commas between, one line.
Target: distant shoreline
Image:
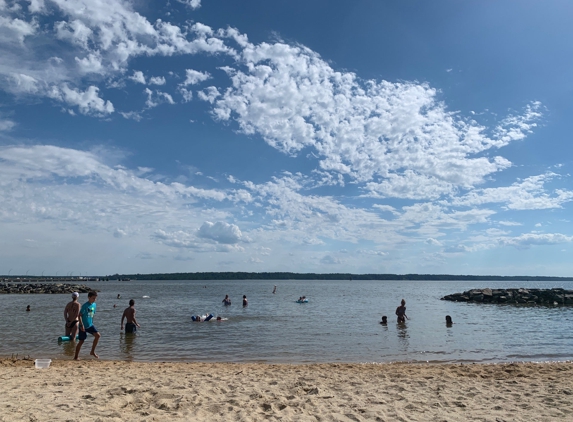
[(284, 276)]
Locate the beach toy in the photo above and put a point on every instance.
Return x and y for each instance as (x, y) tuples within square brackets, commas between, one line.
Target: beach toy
[(209, 317), (42, 363), (66, 338)]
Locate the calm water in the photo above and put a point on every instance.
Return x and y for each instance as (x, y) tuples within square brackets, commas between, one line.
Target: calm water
[(339, 324)]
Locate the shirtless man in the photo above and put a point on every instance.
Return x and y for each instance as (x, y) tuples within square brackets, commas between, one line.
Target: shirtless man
[(129, 314), (401, 312), (71, 315)]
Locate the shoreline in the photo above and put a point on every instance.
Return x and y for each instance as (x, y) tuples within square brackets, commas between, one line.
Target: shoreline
[(144, 391)]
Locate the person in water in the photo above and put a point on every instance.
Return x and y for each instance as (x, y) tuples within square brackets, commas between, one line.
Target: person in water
[(274, 289), (245, 301), (227, 300), (118, 296), (384, 320), (401, 311), (71, 315), (129, 315), (449, 321), (28, 308), (87, 313)]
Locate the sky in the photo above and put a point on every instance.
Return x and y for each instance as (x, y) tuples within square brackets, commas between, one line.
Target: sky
[(323, 136)]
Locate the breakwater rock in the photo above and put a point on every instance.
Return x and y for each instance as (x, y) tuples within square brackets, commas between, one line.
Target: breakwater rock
[(556, 296), (49, 288)]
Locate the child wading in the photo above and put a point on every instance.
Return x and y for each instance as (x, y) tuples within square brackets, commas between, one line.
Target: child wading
[(87, 313)]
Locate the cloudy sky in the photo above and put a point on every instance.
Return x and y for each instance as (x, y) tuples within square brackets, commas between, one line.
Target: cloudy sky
[(368, 136)]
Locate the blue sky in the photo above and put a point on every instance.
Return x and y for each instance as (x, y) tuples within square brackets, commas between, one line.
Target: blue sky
[(305, 136)]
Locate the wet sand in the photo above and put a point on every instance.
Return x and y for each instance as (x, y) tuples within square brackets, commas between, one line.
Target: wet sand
[(92, 390)]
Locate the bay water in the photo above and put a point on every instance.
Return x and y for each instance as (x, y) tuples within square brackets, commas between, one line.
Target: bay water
[(340, 323)]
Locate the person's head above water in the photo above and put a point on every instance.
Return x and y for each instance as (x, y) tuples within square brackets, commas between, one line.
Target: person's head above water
[(448, 319), (384, 319)]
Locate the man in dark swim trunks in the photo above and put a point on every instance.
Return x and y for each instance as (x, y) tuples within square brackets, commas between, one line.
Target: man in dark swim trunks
[(129, 314), (71, 315)]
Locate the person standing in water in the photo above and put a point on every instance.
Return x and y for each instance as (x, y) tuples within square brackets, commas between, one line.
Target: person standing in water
[(245, 301), (401, 312), (227, 300), (87, 313), (129, 315), (71, 315), (274, 289)]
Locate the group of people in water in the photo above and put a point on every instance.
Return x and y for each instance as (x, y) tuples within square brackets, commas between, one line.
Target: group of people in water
[(79, 321), (227, 301), (402, 317)]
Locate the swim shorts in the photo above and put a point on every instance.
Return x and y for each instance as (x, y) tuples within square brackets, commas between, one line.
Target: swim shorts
[(130, 328), (84, 334)]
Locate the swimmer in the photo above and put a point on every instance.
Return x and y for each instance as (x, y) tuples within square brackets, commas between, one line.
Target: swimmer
[(245, 302), (449, 321), (219, 318), (384, 320), (401, 312), (274, 289), (129, 315), (28, 308), (118, 296), (71, 315), (227, 300)]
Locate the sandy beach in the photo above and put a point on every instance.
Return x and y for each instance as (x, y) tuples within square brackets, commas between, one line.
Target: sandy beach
[(93, 390)]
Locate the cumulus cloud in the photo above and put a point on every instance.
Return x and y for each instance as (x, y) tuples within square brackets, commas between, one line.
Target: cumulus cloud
[(399, 137), (527, 240), (193, 4), (157, 80), (220, 232), (138, 77), (528, 194), (88, 101), (193, 77)]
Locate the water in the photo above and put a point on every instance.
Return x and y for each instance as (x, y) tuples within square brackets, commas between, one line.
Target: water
[(339, 324)]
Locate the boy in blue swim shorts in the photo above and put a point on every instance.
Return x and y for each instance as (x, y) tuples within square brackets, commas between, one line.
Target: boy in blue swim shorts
[(87, 313)]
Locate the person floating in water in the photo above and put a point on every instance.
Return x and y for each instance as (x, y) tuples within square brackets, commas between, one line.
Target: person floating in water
[(227, 300), (245, 301), (401, 312), (384, 320), (129, 315), (71, 315)]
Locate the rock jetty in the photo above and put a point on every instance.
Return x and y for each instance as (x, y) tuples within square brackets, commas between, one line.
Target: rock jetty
[(555, 296), (49, 288)]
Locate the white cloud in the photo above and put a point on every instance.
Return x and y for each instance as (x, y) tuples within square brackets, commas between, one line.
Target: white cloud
[(156, 98), (6, 124), (527, 240), (193, 4), (138, 77), (220, 232), (193, 77), (528, 194), (157, 80), (88, 101), (397, 136)]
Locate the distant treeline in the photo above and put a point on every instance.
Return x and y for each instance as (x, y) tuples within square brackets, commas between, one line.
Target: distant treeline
[(333, 276)]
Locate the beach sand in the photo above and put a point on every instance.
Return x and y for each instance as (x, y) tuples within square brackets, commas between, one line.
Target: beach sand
[(91, 390)]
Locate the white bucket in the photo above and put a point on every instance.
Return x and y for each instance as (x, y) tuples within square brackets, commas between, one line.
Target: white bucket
[(42, 363)]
